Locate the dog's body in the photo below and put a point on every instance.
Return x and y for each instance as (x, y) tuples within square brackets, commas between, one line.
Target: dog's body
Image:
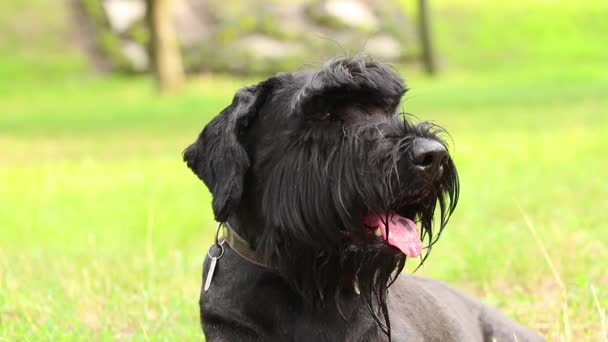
[(252, 303), (323, 180)]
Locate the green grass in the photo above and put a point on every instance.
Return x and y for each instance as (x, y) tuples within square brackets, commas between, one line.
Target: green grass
[(103, 229)]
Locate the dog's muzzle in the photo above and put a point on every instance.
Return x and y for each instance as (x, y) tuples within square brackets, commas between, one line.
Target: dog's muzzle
[(429, 156)]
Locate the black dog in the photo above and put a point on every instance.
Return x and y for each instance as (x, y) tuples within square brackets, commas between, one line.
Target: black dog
[(320, 182)]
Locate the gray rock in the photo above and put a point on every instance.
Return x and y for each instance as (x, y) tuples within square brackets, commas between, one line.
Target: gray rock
[(136, 54), (384, 47), (191, 27), (292, 20), (264, 47), (257, 36)]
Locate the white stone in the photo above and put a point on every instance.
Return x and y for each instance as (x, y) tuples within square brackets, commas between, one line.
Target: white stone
[(136, 54), (384, 47), (352, 13), (292, 18), (262, 46), (124, 13)]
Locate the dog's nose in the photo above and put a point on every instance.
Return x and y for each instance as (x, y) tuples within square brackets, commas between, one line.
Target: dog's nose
[(429, 155)]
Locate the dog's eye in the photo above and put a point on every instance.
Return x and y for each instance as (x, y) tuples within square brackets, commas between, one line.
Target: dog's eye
[(326, 118)]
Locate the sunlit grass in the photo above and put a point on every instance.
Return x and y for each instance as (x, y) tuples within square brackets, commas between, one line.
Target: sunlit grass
[(107, 230), (101, 249)]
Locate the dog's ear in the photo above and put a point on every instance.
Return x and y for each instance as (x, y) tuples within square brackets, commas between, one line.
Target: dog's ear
[(218, 157), (358, 80)]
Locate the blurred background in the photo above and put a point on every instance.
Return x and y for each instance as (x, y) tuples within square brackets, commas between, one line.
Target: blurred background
[(103, 229)]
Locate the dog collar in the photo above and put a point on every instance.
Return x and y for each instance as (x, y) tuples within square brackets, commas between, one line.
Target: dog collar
[(241, 247)]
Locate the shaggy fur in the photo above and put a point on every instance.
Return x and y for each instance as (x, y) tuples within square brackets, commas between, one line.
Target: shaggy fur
[(295, 164)]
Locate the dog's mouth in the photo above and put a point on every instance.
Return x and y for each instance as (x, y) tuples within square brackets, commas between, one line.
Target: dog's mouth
[(398, 231), (398, 227)]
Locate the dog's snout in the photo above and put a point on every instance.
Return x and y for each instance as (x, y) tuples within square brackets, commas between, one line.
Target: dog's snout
[(429, 156)]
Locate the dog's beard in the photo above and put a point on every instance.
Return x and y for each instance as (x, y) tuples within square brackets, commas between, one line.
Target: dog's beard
[(317, 197)]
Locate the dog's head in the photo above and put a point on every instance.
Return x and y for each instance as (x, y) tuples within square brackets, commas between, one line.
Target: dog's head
[(326, 179)]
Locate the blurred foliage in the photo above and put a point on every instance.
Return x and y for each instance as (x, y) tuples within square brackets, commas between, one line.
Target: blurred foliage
[(139, 32), (108, 42), (230, 21)]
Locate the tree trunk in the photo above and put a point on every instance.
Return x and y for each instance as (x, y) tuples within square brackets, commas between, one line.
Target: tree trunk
[(164, 47), (424, 32)]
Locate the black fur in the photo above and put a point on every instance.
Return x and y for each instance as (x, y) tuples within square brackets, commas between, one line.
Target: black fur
[(294, 164)]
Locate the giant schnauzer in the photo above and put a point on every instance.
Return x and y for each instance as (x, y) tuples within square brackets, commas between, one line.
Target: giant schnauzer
[(324, 190)]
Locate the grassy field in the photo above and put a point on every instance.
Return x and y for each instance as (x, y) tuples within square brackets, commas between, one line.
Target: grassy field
[(103, 229)]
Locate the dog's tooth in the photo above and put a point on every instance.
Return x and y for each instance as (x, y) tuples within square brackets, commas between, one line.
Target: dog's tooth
[(377, 232)]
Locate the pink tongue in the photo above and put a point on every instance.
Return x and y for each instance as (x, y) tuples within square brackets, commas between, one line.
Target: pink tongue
[(403, 232)]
